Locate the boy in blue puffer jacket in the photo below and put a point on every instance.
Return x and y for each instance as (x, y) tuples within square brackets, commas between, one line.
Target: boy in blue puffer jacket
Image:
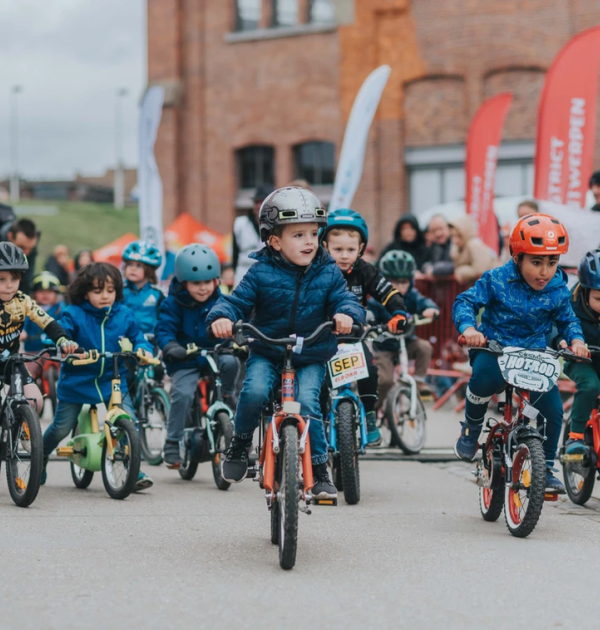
[(522, 299), (293, 287), (96, 319), (182, 320)]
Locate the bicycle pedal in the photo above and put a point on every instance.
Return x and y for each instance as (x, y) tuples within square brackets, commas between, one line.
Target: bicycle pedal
[(551, 496), (331, 502), (564, 459)]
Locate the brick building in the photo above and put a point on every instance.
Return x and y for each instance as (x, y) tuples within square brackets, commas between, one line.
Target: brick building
[(261, 90)]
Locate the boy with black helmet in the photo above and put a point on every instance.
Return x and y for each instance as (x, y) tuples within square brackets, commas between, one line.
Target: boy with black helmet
[(182, 320), (345, 238), (292, 288)]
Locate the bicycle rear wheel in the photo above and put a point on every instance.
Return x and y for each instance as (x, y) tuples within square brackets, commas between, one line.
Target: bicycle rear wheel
[(579, 476), (24, 456), (287, 499), (82, 478), (153, 427), (409, 435)]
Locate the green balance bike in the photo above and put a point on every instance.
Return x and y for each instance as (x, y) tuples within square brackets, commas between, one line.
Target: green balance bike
[(116, 449)]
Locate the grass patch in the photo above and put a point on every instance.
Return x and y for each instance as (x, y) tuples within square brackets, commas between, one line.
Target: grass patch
[(80, 226)]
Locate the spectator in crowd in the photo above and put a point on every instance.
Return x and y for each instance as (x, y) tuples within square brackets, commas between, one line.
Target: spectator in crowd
[(595, 188), (470, 255), (227, 278), (439, 262), (83, 258), (58, 264), (24, 234), (246, 236), (527, 207), (408, 237)]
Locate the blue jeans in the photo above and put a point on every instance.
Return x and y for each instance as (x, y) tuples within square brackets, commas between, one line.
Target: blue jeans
[(65, 419), (487, 380), (261, 374)]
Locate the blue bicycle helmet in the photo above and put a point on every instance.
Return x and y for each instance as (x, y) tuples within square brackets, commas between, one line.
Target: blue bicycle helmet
[(589, 270), (344, 217), (143, 252), (197, 263)]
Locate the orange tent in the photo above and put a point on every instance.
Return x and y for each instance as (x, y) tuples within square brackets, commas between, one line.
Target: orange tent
[(113, 252), (185, 230)]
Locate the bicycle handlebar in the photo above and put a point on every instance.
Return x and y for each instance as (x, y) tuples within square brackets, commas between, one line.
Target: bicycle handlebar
[(92, 356), (239, 337), (494, 347)]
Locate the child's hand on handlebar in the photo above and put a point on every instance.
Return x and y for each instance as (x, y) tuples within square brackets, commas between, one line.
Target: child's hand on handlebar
[(144, 356), (343, 324), (222, 328), (397, 324), (430, 313), (473, 338), (580, 349), (67, 346)]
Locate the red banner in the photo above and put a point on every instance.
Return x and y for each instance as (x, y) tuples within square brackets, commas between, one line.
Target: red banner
[(483, 143), (566, 132)]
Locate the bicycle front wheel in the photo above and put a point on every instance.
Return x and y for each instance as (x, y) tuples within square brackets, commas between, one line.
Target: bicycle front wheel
[(24, 456), (409, 434), (348, 450), (223, 437), (153, 427), (288, 496), (120, 472)]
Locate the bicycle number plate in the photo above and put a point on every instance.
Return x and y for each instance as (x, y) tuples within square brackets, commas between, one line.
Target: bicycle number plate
[(533, 370), (348, 365)]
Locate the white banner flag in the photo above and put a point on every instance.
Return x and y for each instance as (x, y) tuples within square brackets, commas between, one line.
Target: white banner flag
[(352, 156), (149, 182)]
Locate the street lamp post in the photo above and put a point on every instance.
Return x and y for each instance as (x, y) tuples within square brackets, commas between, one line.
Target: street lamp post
[(119, 182), (14, 144)]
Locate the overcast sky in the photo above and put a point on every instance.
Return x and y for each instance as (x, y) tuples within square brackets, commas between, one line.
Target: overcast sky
[(70, 56)]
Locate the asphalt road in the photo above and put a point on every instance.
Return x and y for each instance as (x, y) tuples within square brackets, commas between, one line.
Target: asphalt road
[(413, 554)]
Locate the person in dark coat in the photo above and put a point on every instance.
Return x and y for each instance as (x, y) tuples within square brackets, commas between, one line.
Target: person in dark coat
[(439, 262), (58, 263), (408, 237)]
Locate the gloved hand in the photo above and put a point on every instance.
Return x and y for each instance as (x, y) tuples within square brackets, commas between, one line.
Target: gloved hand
[(398, 323), (67, 346), (173, 352), (144, 356)]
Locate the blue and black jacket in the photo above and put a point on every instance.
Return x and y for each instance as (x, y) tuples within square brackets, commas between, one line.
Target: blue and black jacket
[(144, 303)]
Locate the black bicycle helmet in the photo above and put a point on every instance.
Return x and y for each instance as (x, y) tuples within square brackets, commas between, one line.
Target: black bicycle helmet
[(397, 264), (12, 258), (589, 270)]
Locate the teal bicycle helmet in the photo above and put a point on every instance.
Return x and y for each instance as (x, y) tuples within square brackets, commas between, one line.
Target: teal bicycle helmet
[(346, 218), (197, 263), (143, 252), (398, 265)]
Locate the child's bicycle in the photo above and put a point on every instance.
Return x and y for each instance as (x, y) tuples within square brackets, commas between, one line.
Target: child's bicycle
[(345, 421), (512, 471), (209, 425), (21, 444), (579, 471), (404, 410), (116, 450), (49, 381), (284, 445)]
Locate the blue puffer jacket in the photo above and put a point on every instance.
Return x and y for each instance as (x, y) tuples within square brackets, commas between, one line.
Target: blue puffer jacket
[(144, 303), (515, 314), (183, 319), (36, 337), (101, 329), (280, 299)]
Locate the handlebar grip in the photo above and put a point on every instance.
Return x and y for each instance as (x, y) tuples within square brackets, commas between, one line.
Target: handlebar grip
[(357, 330), (153, 361), (91, 357), (191, 348), (238, 333)]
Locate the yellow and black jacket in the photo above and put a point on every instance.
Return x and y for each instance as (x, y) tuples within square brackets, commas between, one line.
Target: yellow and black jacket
[(363, 279)]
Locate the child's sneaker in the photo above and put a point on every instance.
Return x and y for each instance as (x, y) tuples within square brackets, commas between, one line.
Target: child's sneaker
[(323, 488), (171, 455), (467, 444), (575, 445), (373, 433), (235, 464), (143, 482), (553, 484)]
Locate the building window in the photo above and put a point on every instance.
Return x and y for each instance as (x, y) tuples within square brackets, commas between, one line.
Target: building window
[(285, 12), (321, 12), (256, 166), (247, 15), (314, 162)]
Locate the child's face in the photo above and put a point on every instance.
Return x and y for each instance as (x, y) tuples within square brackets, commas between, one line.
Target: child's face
[(228, 277), (202, 290), (45, 297), (102, 297), (344, 248), (9, 285), (402, 285), (594, 300), (537, 271), (298, 243), (408, 233), (134, 271)]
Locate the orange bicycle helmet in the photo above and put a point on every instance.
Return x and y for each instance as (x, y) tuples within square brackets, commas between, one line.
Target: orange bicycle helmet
[(539, 234)]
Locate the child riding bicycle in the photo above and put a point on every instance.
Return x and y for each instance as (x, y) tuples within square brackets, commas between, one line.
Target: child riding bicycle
[(522, 299), (345, 238), (292, 288), (193, 292)]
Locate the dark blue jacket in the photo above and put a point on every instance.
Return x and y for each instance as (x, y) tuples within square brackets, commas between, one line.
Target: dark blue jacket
[(144, 303), (101, 329), (281, 299), (36, 337), (183, 319), (515, 314), (590, 320)]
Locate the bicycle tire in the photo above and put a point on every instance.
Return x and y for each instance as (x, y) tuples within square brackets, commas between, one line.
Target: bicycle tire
[(521, 525), (188, 469), (223, 437), (160, 402), (82, 478), (131, 460), (27, 424), (491, 503), (579, 490), (348, 451), (287, 502), (397, 405), (336, 472)]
